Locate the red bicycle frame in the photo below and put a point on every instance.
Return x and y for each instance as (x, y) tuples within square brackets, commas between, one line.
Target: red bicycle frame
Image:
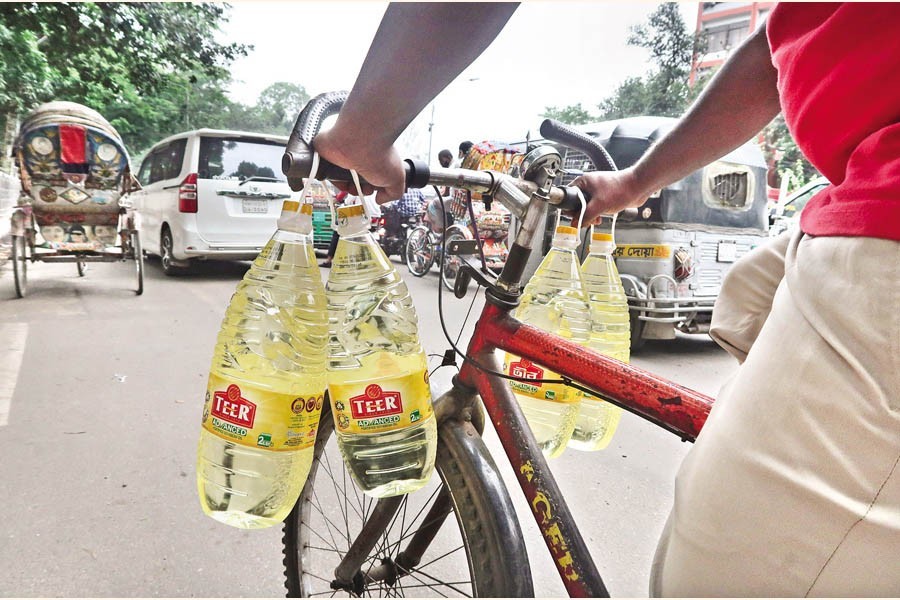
[(678, 409)]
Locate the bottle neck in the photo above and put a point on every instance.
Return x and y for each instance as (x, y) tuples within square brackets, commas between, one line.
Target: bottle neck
[(296, 218), (352, 221), (602, 248)]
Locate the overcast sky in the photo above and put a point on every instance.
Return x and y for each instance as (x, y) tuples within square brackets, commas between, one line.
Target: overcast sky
[(549, 54)]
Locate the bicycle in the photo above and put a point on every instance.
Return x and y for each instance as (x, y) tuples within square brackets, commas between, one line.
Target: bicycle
[(383, 554)]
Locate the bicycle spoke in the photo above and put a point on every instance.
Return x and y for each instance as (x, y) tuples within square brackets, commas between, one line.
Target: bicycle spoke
[(323, 549), (451, 585), (329, 525), (430, 586), (445, 555)]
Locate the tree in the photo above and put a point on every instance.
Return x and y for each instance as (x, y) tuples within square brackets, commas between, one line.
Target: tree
[(134, 61), (572, 115), (783, 155), (664, 91), (279, 104)]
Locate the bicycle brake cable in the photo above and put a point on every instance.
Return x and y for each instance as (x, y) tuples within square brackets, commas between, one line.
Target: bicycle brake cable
[(463, 355)]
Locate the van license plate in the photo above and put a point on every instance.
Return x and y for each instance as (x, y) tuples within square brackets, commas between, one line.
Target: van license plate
[(727, 252), (252, 205)]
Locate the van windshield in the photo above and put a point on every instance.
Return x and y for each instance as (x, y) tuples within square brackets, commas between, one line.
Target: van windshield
[(239, 159)]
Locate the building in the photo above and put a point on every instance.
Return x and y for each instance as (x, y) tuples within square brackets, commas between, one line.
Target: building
[(726, 25)]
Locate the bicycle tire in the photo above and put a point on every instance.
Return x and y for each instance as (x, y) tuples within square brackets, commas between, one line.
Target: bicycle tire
[(419, 251), (20, 264), (495, 554)]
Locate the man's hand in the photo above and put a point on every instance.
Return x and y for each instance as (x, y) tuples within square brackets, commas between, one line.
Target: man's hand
[(609, 192), (381, 168)]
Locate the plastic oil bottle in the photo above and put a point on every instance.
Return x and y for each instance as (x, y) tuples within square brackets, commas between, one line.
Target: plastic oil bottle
[(610, 335), (377, 370), (267, 383), (555, 301)]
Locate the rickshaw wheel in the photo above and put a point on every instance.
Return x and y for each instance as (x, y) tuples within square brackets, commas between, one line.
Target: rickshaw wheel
[(450, 265), (82, 266), (419, 252), (20, 264), (138, 261)]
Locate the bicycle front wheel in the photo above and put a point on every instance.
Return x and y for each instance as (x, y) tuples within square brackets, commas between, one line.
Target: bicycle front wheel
[(421, 550), (419, 251)]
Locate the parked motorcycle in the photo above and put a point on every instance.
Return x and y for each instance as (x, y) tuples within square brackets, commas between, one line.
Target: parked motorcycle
[(392, 230)]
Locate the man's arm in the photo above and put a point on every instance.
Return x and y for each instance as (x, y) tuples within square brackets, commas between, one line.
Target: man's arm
[(740, 100), (418, 50)]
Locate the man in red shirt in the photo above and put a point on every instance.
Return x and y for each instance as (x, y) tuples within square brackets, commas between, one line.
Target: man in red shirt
[(793, 486)]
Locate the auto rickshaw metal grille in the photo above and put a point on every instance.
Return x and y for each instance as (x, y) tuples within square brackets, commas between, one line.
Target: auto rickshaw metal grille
[(575, 161), (730, 189)]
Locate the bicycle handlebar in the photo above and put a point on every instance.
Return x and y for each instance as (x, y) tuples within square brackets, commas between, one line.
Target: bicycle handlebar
[(514, 193)]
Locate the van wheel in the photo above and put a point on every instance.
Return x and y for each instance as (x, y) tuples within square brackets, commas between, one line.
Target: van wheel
[(637, 331), (166, 256)]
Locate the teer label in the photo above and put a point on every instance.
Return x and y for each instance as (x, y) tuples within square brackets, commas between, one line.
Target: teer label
[(261, 419), (390, 404)]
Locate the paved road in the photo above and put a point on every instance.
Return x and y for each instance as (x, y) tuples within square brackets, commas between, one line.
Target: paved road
[(100, 400)]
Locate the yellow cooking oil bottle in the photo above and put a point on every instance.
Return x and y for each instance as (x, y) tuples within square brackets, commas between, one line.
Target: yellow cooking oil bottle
[(377, 370), (266, 383), (610, 335), (553, 300)]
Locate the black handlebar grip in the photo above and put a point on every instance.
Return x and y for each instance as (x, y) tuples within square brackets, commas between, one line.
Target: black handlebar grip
[(560, 132), (417, 173), (297, 160)]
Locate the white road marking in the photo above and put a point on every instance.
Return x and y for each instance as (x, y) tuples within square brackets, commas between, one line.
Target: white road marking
[(12, 349)]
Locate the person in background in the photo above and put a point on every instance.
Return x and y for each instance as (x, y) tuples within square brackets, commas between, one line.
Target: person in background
[(792, 487), (411, 203), (464, 148), (445, 157)]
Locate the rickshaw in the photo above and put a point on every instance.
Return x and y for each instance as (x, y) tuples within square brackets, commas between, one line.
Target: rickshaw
[(484, 220), (74, 172)]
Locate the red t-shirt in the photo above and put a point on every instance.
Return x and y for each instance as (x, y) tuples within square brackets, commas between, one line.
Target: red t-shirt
[(839, 80)]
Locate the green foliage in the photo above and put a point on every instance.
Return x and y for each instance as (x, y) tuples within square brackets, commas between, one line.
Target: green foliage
[(279, 104), (664, 91), (572, 115), (150, 68), (779, 148), (24, 79)]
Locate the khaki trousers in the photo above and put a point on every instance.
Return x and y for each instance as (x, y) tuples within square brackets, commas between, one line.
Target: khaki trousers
[(793, 486)]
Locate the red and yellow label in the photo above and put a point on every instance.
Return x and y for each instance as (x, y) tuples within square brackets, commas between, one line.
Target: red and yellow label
[(524, 368), (259, 418), (384, 405)]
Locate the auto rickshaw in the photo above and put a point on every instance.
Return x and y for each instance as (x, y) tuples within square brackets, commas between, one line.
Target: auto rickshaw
[(673, 257), (74, 171)]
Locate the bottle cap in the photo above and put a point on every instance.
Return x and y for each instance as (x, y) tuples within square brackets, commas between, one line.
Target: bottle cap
[(296, 217), (602, 243), (351, 220), (566, 237)]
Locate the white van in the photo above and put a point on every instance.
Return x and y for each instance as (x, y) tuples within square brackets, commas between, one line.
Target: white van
[(210, 194)]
